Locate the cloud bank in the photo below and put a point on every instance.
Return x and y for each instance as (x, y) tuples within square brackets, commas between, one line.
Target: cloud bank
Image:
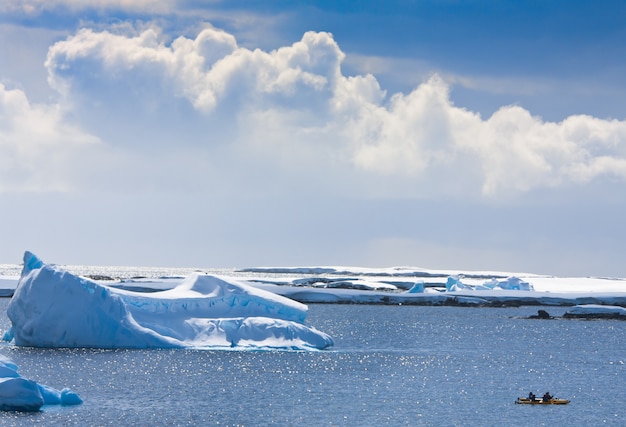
[(293, 107)]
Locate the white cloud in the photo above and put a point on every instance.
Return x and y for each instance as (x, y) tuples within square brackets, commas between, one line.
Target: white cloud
[(295, 100), (165, 143), (409, 135), (422, 133), (521, 152), (206, 69), (36, 145)]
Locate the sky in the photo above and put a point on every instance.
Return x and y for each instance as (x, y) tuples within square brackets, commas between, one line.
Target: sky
[(478, 135)]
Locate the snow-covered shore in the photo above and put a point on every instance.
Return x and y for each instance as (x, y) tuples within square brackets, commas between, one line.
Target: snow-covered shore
[(398, 285)]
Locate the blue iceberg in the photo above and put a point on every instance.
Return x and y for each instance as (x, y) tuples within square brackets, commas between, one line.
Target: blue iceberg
[(513, 283), (21, 394), (52, 307)]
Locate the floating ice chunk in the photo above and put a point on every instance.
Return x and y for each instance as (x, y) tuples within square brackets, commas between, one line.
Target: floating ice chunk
[(491, 284), (417, 288), (68, 397), (7, 368), (515, 283), (51, 396), (454, 284), (510, 284), (597, 311), (21, 394), (596, 308), (54, 308)]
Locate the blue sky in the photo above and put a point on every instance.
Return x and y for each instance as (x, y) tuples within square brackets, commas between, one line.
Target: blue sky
[(442, 134)]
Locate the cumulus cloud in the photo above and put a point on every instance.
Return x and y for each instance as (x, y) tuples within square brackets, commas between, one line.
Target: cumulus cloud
[(522, 152), (37, 145), (205, 70), (423, 132), (296, 100)]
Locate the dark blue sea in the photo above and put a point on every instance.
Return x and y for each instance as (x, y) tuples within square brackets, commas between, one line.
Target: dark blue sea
[(390, 366)]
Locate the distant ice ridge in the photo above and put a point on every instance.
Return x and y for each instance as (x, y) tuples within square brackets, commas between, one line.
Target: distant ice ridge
[(54, 308), (21, 394), (454, 283)]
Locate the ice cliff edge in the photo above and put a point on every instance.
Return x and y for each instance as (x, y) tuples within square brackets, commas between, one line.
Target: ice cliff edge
[(52, 307)]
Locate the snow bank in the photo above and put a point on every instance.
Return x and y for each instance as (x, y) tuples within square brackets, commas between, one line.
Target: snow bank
[(21, 394), (54, 308), (595, 311), (356, 285)]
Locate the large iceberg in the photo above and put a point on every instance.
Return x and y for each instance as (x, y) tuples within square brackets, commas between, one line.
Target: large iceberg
[(54, 308), (21, 394)]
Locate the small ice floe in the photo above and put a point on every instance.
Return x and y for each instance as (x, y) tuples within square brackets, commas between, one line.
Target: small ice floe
[(596, 311), (20, 394)]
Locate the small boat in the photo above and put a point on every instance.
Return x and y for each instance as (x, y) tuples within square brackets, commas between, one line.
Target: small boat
[(553, 401)]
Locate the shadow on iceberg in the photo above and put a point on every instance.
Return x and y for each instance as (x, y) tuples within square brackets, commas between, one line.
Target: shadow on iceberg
[(54, 308)]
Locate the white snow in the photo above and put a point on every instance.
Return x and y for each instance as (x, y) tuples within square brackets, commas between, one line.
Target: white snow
[(437, 288), (54, 308), (21, 394), (592, 309), (396, 285)]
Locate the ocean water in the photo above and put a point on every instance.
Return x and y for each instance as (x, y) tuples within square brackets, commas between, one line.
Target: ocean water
[(391, 365)]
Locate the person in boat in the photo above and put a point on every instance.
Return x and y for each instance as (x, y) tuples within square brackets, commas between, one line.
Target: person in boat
[(547, 397), (531, 396)]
